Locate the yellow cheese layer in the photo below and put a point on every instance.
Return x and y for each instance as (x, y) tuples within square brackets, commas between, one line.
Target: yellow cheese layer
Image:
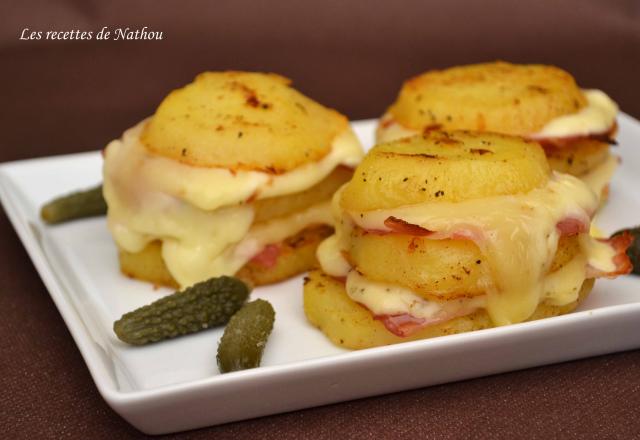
[(600, 176), (389, 299), (200, 214), (331, 257), (559, 288), (597, 117), (517, 235), (190, 263)]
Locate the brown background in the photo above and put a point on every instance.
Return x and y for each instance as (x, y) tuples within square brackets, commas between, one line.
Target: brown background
[(61, 97)]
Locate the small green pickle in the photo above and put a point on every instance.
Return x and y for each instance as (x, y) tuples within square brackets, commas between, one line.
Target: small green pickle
[(633, 251), (76, 205), (206, 304), (245, 337)]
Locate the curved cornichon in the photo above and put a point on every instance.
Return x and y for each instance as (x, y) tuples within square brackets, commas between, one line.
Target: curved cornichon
[(245, 337), (76, 205), (201, 306)]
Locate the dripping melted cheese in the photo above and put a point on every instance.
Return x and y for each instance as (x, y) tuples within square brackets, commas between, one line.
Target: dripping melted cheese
[(389, 299), (517, 235), (599, 177), (598, 116), (200, 214)]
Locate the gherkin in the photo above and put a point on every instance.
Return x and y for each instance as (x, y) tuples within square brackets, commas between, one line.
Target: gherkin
[(201, 306), (76, 205), (245, 337)]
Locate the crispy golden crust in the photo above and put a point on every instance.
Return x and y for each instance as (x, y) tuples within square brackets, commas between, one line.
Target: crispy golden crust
[(350, 325), (579, 157), (273, 207), (296, 255), (147, 265), (241, 120), (500, 97), (427, 168)]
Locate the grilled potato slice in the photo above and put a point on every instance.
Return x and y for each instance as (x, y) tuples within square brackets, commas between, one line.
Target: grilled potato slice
[(349, 325), (579, 157), (428, 168), (433, 269), (241, 120), (272, 207), (499, 97), (297, 255), (147, 265)]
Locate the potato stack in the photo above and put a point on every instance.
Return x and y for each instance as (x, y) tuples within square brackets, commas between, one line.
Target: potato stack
[(449, 232), (537, 102), (233, 174)]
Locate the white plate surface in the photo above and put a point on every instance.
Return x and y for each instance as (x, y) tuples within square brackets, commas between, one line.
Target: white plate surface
[(175, 385)]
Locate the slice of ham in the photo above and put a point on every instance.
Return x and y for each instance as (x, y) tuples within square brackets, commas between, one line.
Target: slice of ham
[(268, 257), (567, 227), (402, 227), (402, 325), (621, 260), (572, 226)]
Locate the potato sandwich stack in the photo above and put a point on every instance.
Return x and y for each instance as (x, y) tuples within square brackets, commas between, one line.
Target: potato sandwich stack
[(453, 231), (233, 174), (537, 102)]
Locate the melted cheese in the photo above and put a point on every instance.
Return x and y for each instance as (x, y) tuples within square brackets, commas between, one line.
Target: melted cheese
[(598, 116), (192, 263), (560, 288), (600, 255), (517, 235), (389, 299), (563, 286), (332, 259), (599, 177), (211, 188), (200, 214)]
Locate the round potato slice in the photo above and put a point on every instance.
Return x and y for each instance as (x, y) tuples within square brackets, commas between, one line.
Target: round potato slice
[(579, 157), (349, 325), (444, 166), (241, 120), (500, 97), (273, 207), (433, 269)]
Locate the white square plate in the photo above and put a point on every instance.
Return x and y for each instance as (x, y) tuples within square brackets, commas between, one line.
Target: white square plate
[(175, 385)]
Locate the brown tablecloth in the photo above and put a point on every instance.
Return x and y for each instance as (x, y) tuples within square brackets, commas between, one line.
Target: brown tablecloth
[(66, 96)]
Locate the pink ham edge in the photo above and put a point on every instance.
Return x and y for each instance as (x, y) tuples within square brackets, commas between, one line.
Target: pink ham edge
[(268, 257)]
